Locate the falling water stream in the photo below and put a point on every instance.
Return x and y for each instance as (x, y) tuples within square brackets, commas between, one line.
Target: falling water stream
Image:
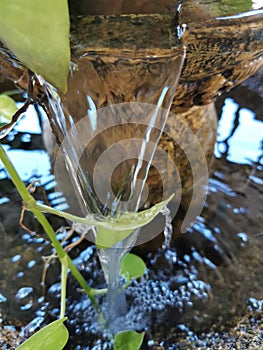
[(168, 228), (126, 131)]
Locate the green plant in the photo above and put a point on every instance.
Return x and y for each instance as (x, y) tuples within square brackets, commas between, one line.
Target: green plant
[(128, 340), (109, 232), (132, 266)]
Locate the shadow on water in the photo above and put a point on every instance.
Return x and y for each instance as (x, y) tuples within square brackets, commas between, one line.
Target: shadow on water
[(192, 294)]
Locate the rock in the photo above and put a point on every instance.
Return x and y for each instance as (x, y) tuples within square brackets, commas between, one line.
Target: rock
[(123, 65)]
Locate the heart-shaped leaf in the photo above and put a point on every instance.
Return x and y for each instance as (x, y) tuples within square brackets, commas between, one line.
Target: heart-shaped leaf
[(37, 32), (132, 266), (52, 337), (128, 340)]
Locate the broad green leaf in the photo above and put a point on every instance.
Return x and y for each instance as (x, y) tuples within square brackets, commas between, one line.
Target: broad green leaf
[(110, 230), (7, 106), (52, 337), (37, 32), (132, 266), (113, 230), (128, 340)]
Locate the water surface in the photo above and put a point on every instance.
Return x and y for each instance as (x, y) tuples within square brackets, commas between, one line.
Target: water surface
[(206, 282)]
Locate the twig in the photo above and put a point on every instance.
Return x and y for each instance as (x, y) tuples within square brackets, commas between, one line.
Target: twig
[(47, 260), (74, 244), (21, 218)]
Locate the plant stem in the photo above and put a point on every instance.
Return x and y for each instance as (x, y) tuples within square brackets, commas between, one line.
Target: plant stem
[(64, 273), (46, 209), (31, 203)]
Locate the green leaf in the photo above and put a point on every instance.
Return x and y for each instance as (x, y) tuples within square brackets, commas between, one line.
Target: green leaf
[(7, 106), (37, 32), (128, 340), (113, 230), (106, 238), (110, 230), (127, 220), (132, 266), (52, 337)]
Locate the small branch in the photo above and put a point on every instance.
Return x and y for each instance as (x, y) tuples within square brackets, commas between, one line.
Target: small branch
[(15, 118)]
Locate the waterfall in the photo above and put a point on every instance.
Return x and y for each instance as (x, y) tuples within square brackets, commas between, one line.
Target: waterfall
[(108, 129)]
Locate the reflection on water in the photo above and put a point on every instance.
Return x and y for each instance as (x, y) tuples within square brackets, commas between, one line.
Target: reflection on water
[(30, 159), (240, 135), (30, 164), (211, 275)]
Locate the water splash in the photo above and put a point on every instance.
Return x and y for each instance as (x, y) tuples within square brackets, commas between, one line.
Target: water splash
[(168, 228)]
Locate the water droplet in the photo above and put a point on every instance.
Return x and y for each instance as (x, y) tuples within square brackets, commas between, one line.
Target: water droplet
[(26, 306), (20, 274), (16, 258), (150, 343), (31, 264), (183, 328), (23, 293), (41, 299)]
